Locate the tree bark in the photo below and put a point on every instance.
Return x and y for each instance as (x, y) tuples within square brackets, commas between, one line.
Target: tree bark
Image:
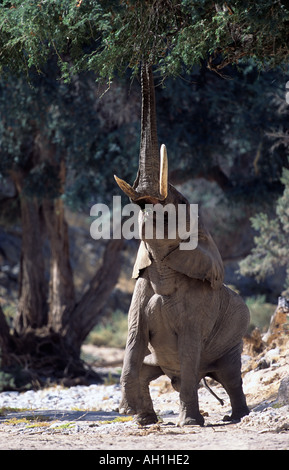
[(32, 305), (61, 287), (5, 339)]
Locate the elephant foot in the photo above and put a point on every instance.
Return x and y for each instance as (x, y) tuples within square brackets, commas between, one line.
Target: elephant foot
[(147, 418), (189, 421), (190, 415), (126, 411), (237, 415)]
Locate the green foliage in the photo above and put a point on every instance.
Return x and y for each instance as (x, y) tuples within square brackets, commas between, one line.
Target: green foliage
[(111, 332), (225, 123), (7, 409), (59, 39), (119, 419), (48, 122), (271, 249), (32, 30), (215, 124), (260, 311), (110, 36), (7, 381)]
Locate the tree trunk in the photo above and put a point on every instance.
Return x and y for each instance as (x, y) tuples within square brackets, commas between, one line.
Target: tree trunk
[(5, 339), (61, 287), (38, 354), (32, 305), (46, 342)]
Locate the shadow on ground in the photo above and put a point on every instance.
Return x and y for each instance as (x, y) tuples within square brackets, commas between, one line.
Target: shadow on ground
[(65, 415)]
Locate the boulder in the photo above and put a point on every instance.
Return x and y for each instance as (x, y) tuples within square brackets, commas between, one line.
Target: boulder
[(283, 391)]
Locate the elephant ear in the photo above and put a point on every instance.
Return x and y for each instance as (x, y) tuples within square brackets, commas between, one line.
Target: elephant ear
[(204, 262), (142, 260)]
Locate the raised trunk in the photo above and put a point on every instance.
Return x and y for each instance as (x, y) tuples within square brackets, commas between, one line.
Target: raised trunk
[(147, 182), (148, 185)]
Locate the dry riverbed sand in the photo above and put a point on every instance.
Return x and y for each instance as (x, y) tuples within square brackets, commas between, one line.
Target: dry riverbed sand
[(103, 429)]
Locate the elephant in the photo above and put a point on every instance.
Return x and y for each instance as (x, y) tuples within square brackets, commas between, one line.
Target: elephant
[(183, 322)]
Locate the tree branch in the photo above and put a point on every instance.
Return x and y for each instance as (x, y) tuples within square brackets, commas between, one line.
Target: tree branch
[(85, 314), (214, 173)]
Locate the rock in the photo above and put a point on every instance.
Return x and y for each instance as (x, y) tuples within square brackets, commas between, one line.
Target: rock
[(277, 322), (272, 355), (283, 392), (253, 343), (262, 364)]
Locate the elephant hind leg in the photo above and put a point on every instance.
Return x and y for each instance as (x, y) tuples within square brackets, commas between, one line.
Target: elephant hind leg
[(228, 374), (238, 403)]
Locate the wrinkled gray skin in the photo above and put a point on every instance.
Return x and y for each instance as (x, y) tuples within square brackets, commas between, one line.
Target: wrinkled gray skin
[(183, 322), (182, 327)]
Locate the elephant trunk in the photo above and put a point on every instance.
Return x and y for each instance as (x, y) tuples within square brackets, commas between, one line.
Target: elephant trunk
[(151, 182)]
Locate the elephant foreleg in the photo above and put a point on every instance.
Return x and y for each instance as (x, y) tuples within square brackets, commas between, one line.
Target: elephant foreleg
[(136, 349), (131, 402), (142, 405), (147, 414)]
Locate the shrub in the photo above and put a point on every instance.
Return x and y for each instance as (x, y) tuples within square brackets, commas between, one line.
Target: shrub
[(260, 311), (271, 249), (111, 332)]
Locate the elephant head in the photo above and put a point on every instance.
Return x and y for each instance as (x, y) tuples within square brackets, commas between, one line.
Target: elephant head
[(152, 187)]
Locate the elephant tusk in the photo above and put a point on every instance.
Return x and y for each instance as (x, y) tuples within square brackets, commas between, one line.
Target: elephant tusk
[(126, 188), (163, 172)]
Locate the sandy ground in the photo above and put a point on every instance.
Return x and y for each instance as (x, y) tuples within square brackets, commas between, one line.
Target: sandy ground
[(165, 436), (266, 428)]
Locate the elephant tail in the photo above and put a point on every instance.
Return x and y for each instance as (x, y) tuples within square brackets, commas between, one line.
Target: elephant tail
[(212, 392)]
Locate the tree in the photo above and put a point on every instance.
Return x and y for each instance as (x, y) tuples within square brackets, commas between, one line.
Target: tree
[(114, 38), (271, 242), (270, 251), (222, 130), (43, 146), (120, 34)]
